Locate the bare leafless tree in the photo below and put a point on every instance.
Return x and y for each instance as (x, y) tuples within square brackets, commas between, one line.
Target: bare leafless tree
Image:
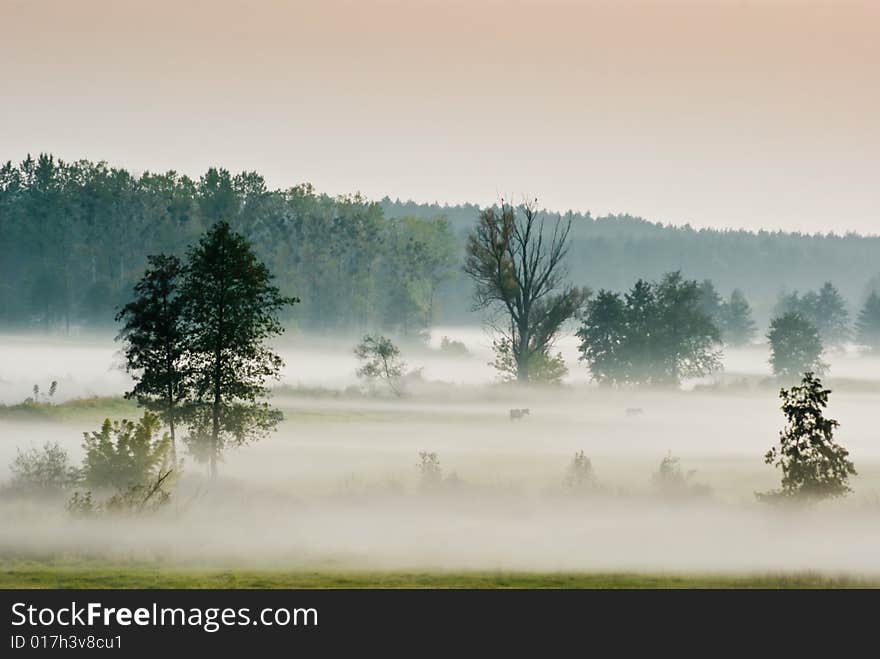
[(518, 267)]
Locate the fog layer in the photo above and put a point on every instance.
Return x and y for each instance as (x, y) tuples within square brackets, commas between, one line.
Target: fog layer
[(337, 486)]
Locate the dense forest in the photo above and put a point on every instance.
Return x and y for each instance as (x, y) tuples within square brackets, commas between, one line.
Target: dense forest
[(75, 236)]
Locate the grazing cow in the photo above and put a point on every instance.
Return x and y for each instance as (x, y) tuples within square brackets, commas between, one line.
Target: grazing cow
[(634, 411), (518, 414)]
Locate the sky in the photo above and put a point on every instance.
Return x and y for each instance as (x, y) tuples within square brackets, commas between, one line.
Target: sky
[(721, 113)]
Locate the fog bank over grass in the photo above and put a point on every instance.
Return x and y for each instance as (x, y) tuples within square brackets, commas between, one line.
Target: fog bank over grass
[(90, 366), (337, 486)]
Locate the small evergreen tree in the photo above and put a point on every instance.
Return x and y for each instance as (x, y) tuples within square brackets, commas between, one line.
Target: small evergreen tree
[(430, 472), (813, 465)]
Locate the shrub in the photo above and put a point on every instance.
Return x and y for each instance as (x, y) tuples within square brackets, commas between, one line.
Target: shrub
[(430, 472), (146, 497), (580, 475), (453, 348), (670, 480), (45, 471), (125, 454), (543, 367)]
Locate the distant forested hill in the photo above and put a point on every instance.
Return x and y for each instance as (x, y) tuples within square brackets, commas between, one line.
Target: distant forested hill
[(74, 237)]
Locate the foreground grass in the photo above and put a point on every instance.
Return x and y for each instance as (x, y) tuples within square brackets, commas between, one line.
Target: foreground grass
[(39, 575)]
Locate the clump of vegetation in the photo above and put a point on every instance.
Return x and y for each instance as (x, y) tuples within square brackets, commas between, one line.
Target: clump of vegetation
[(43, 472), (671, 481), (814, 466), (145, 497), (430, 472), (123, 454), (381, 362), (543, 367), (580, 476), (431, 477), (453, 348), (128, 461)]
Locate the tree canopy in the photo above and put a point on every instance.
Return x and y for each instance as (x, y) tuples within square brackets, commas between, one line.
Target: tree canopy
[(795, 346), (657, 333)]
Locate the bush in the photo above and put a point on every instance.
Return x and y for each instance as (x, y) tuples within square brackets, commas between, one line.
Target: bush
[(146, 497), (543, 367), (130, 463), (44, 472), (453, 348), (125, 454), (580, 476), (430, 472), (670, 480)]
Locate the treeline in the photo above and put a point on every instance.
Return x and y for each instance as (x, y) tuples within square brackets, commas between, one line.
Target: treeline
[(613, 251), (662, 332), (75, 237)]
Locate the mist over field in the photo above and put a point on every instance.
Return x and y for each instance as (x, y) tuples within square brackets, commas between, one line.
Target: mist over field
[(337, 485)]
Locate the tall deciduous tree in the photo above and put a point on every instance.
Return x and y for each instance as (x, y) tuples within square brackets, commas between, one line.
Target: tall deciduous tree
[(155, 342), (517, 265), (232, 309), (795, 346)]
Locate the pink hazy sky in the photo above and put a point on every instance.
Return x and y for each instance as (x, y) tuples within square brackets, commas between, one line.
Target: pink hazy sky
[(722, 113)]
